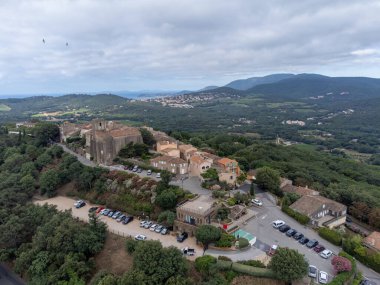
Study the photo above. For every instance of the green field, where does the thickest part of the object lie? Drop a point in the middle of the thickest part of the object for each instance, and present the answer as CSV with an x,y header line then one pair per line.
x,y
4,108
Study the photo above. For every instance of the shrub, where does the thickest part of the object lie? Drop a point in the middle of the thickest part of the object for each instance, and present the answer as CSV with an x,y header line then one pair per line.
x,y
218,193
302,219
225,240
203,263
331,235
254,263
341,264
225,258
243,243
130,245
231,201
343,277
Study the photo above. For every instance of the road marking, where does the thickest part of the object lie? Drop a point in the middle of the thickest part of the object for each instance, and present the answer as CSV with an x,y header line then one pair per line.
x,y
263,217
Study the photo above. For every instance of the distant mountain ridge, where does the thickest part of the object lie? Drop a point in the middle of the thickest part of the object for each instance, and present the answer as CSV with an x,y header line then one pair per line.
x,y
245,84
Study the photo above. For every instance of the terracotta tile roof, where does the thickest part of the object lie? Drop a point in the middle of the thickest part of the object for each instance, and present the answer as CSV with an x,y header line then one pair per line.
x,y
226,160
169,149
165,142
309,204
168,159
185,147
214,157
197,159
124,132
373,240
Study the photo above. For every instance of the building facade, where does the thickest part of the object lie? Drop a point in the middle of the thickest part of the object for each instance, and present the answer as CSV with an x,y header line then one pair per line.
x,y
174,165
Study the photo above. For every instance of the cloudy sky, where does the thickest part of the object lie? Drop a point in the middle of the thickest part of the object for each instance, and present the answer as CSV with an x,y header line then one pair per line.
x,y
162,44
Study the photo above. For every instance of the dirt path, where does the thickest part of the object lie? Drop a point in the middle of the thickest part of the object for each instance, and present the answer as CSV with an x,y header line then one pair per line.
x,y
129,230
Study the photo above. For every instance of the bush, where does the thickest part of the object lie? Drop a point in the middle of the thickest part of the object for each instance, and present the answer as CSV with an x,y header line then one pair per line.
x,y
203,263
243,243
225,258
225,240
254,263
231,201
341,264
130,245
330,235
343,277
302,219
218,193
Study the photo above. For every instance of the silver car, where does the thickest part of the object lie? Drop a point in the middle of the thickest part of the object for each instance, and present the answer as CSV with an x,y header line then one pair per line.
x,y
323,277
313,271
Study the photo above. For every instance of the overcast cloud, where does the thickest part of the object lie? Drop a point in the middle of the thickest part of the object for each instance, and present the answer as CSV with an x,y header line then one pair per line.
x,y
161,44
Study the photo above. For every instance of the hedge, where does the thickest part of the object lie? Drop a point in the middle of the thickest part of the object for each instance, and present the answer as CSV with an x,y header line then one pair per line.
x,y
252,262
243,243
246,269
226,240
302,219
330,235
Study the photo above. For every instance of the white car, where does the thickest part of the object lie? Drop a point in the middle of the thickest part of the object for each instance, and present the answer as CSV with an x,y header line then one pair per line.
x,y
140,237
278,223
153,227
326,254
323,277
257,202
158,175
78,202
313,271
149,172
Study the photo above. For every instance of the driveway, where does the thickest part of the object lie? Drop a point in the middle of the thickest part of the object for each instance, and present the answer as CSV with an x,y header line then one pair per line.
x,y
261,227
129,230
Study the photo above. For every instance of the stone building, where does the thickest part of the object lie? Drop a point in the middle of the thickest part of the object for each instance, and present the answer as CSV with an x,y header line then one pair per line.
x,y
174,165
107,138
199,164
194,213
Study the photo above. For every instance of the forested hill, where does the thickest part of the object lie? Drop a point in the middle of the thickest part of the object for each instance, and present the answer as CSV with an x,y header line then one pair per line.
x,y
304,86
244,84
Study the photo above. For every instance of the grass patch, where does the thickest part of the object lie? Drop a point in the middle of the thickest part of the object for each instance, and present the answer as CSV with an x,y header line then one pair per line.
x,y
245,269
4,108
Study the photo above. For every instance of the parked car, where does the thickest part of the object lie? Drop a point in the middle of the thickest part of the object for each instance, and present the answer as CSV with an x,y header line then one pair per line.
x,y
92,209
127,220
139,170
121,218
99,210
153,227
158,229
278,223
188,251
79,204
105,212
130,168
148,224
326,254
257,202
149,172
323,277
367,282
140,237
164,231
158,175
298,236
135,168
182,237
110,214
313,271
284,228
272,250
142,223
291,232
312,243
318,248
303,240
116,215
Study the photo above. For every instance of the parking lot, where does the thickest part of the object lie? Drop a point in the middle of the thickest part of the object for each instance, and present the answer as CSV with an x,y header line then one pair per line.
x,y
131,229
262,228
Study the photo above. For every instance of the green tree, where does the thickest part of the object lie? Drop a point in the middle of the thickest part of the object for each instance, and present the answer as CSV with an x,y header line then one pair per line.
x,y
207,234
167,199
288,264
268,179
158,263
46,133
43,160
211,174
147,137
167,218
252,190
49,182
28,184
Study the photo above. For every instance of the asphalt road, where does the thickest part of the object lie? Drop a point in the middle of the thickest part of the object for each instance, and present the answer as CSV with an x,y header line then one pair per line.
x,y
7,277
